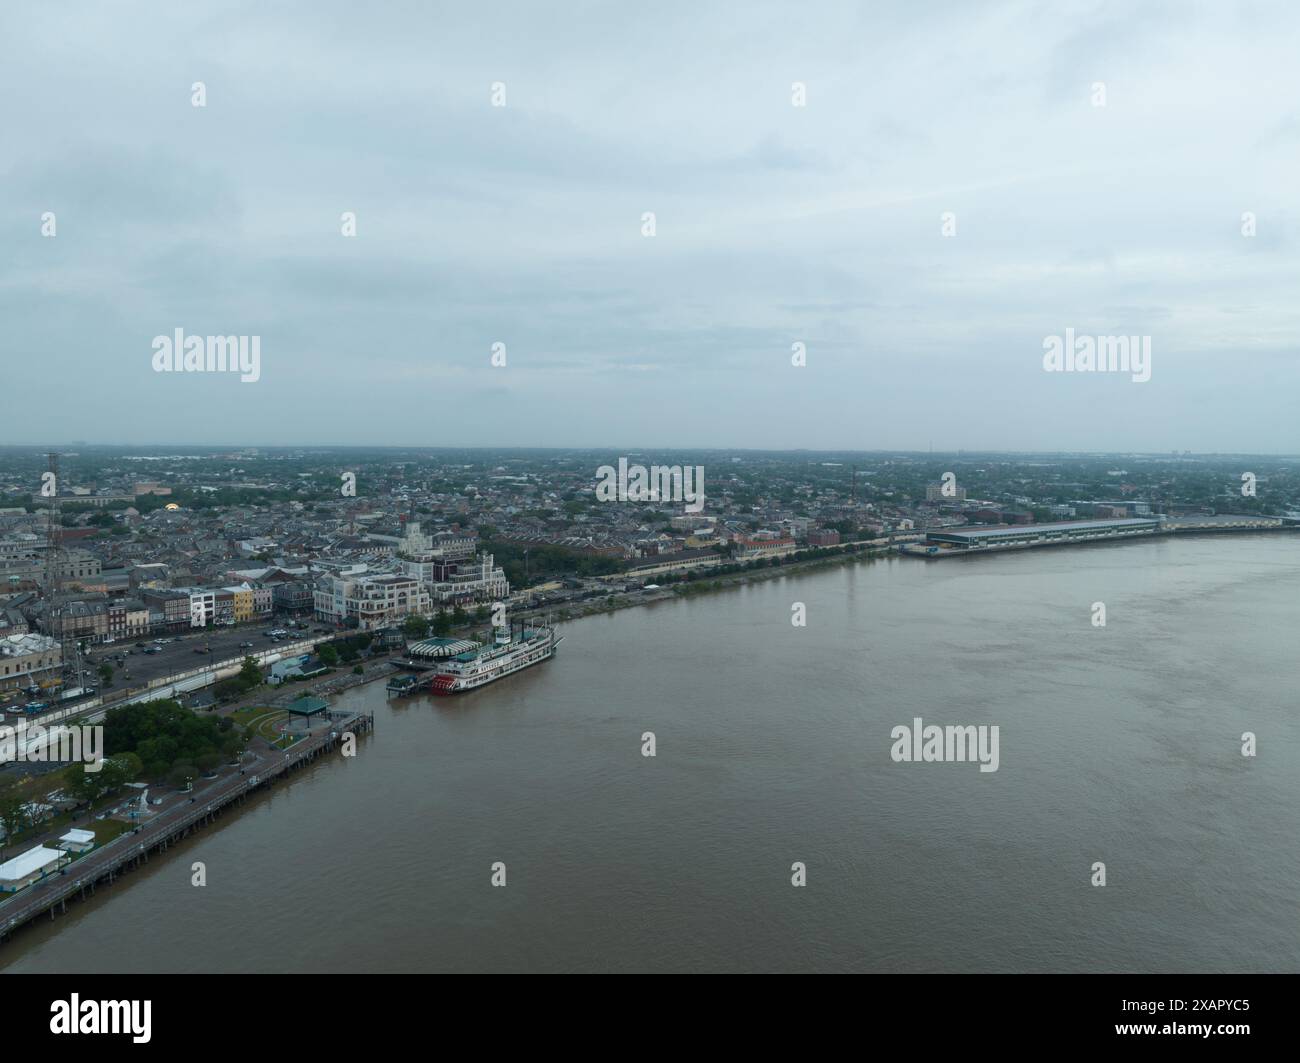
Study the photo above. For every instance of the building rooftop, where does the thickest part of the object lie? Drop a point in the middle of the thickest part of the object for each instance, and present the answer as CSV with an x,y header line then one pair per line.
x,y
20,645
1055,526
307,705
29,863
442,647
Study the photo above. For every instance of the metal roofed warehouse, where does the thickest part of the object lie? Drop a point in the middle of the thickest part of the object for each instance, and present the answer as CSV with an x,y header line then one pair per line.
x,y
1043,534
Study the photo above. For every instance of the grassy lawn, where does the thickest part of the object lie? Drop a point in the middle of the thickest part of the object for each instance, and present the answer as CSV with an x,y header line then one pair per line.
x,y
108,829
263,720
245,717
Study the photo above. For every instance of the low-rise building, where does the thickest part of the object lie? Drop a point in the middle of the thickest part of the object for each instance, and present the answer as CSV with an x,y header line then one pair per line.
x,y
369,601
169,609
77,841
301,666
29,867
463,583
241,603
128,618
292,597
755,549
28,659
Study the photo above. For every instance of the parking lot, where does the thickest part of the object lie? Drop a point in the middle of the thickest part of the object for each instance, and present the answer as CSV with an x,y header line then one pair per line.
x,y
185,651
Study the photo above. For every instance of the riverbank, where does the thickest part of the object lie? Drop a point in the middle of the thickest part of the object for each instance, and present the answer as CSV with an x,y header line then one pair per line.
x,y
704,584
148,828
267,704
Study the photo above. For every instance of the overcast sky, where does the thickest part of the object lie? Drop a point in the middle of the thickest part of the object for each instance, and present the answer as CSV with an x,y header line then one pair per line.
x,y
774,224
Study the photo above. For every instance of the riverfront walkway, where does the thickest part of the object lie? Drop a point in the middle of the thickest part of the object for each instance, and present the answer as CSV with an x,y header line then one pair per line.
x,y
155,834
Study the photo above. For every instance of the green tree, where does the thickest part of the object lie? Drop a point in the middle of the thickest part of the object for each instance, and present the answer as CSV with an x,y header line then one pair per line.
x,y
182,774
112,775
328,654
124,768
12,817
442,624
249,674
234,742
415,627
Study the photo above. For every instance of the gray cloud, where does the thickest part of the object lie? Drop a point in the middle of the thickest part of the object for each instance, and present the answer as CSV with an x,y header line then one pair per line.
x,y
775,224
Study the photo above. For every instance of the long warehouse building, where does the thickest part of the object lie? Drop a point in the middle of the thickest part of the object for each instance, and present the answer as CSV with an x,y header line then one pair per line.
x,y
960,540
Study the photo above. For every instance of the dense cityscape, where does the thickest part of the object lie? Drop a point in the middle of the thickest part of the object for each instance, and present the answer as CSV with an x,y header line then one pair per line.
x,y
137,544
132,561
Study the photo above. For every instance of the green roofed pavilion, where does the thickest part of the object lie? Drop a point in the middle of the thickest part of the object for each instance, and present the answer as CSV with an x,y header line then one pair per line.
x,y
308,706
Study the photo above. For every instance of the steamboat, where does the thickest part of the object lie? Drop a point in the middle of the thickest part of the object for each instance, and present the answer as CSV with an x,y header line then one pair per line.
x,y
508,653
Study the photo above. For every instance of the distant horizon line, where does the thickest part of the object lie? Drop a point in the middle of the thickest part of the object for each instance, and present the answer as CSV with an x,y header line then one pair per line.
x,y
643,449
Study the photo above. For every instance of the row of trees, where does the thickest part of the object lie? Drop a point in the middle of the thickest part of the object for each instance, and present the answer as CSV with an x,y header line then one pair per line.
x,y
419,627
546,562
347,650
237,686
701,580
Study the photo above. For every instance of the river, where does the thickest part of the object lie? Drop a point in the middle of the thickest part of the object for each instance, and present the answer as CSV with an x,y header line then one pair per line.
x,y
1119,744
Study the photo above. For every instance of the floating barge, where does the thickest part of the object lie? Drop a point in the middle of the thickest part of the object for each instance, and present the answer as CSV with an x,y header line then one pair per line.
x,y
401,685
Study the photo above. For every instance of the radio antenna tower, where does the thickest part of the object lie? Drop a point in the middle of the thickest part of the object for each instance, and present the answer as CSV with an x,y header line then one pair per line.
x,y
50,489
68,648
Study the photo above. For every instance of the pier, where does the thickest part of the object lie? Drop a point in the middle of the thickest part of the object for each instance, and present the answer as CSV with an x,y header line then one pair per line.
x,y
102,866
